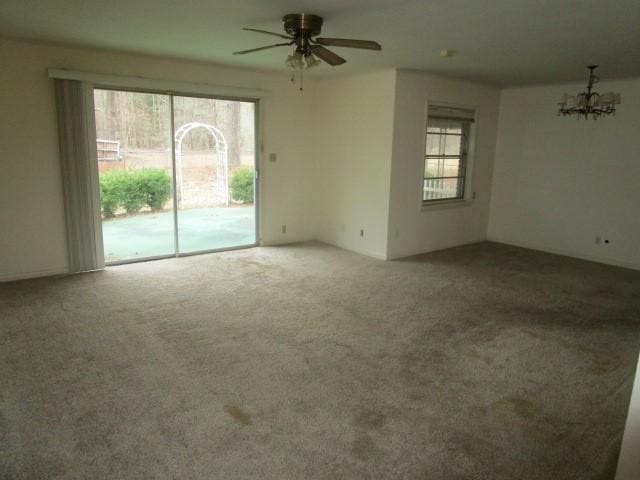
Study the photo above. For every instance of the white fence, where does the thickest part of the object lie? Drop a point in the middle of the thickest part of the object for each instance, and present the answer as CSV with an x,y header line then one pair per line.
x,y
437,188
108,150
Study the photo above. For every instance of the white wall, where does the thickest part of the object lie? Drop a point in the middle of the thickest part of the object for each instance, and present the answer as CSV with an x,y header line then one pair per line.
x,y
350,153
560,182
413,228
32,237
354,128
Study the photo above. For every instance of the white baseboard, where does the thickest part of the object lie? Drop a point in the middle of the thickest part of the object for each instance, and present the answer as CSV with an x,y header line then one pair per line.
x,y
368,253
566,253
376,255
411,253
284,241
11,277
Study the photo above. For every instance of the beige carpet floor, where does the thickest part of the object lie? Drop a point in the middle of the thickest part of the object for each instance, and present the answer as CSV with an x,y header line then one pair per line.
x,y
310,362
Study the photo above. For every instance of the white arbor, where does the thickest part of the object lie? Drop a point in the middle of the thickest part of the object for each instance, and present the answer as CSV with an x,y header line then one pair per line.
x,y
222,164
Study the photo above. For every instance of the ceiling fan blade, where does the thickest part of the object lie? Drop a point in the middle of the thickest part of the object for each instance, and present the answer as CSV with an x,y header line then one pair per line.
x,y
286,37
347,42
242,52
326,55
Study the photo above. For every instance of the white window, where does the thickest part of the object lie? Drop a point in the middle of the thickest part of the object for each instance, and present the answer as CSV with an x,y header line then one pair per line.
x,y
446,152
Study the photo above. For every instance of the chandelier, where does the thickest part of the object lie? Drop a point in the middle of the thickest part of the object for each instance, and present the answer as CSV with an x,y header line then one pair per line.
x,y
589,102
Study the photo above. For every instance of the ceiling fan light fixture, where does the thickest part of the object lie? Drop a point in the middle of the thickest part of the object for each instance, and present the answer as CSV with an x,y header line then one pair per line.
x,y
311,61
299,61
295,61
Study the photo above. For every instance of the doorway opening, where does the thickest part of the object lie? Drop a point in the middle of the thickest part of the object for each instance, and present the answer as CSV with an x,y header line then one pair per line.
x,y
177,174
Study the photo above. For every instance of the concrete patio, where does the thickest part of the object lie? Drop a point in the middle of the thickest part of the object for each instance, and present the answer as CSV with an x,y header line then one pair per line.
x,y
151,234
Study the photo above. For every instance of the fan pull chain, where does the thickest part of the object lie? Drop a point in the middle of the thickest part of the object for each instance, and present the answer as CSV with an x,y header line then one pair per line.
x,y
292,79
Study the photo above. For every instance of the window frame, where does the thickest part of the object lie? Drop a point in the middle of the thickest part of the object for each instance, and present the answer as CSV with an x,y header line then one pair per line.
x,y
466,119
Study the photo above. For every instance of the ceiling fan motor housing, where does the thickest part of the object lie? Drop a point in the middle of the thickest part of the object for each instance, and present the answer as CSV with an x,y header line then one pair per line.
x,y
302,24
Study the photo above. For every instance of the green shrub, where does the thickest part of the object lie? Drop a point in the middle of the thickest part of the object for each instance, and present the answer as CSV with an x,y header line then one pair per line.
x,y
133,195
133,189
155,185
242,185
111,191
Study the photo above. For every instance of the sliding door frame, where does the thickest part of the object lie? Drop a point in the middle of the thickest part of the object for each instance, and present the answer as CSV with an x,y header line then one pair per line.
x,y
256,177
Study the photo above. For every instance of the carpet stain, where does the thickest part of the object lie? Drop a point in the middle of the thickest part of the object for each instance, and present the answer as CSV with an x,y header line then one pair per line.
x,y
369,419
4,429
603,366
363,447
41,465
255,264
238,414
478,410
515,405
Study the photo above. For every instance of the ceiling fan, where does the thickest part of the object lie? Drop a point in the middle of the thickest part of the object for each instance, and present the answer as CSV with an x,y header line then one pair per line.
x,y
301,29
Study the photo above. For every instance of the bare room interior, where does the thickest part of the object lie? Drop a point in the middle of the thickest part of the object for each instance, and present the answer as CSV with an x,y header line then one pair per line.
x,y
354,239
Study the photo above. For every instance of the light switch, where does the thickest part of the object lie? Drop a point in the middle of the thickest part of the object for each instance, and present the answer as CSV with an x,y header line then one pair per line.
x,y
272,157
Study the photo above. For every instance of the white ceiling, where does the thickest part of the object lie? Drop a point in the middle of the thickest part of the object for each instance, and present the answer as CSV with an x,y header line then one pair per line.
x,y
504,42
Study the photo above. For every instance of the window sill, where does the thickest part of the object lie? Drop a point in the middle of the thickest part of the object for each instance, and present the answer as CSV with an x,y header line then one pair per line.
x,y
443,204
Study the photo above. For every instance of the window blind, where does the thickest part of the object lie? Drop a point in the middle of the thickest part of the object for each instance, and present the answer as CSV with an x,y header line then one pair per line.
x,y
451,113
78,165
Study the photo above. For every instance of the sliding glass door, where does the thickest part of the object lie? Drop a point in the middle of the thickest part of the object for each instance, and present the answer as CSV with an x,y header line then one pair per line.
x,y
133,133
215,160
177,174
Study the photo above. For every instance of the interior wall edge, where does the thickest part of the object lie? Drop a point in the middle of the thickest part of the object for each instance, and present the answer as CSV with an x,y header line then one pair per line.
x,y
287,241
421,251
359,251
565,253
14,276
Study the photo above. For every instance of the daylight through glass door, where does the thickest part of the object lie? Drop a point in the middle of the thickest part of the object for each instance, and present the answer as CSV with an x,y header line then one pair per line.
x,y
215,156
166,192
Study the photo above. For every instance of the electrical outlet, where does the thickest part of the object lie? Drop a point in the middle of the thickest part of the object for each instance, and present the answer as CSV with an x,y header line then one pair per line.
x,y
284,229
273,157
